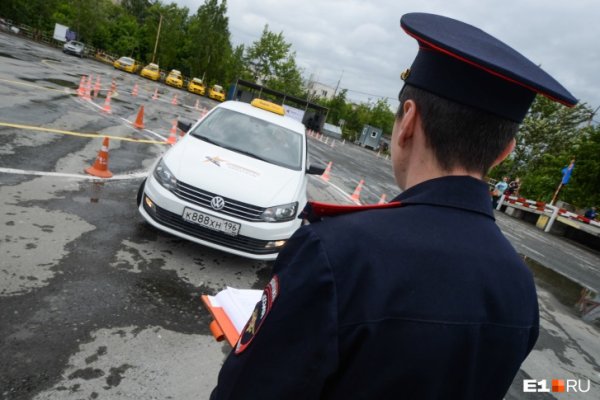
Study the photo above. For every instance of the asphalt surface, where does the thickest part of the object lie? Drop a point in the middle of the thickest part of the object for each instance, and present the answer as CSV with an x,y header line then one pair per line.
x,y
95,304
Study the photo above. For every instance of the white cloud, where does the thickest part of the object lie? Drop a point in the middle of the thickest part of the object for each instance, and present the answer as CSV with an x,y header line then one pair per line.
x,y
362,40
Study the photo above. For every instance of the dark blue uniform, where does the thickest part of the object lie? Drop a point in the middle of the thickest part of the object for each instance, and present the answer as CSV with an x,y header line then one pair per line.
x,y
424,301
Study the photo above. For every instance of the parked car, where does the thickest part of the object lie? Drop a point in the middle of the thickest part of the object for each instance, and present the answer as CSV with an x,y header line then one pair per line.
x,y
151,71
197,86
174,79
127,64
74,47
216,92
236,182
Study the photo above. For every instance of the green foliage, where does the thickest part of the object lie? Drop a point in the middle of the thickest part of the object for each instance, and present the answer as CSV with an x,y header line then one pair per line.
x,y
207,42
550,136
270,62
356,116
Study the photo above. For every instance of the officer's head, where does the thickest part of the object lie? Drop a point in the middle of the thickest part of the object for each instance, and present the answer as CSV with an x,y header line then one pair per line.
x,y
466,93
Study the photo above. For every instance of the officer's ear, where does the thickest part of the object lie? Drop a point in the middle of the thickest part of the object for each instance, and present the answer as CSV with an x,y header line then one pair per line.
x,y
507,150
407,123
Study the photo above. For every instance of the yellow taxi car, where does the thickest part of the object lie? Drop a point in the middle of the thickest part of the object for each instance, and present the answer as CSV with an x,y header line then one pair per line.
x,y
196,86
216,92
151,71
126,64
174,79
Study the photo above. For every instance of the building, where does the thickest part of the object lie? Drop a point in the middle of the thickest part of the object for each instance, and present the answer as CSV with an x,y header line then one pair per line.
x,y
332,131
318,89
370,137
312,115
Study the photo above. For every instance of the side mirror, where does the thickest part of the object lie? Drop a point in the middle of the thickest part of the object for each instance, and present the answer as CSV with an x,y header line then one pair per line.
x,y
184,126
315,170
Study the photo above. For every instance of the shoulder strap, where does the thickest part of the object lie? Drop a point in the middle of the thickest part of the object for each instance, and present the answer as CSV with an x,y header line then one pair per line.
x,y
315,211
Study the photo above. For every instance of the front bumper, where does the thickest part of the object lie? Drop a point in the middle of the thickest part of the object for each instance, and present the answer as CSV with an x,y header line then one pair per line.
x,y
252,241
73,52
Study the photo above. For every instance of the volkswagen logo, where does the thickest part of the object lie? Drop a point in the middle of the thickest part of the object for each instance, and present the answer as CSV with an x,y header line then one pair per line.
x,y
217,203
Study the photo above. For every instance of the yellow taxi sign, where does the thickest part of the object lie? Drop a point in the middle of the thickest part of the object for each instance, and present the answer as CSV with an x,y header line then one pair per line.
x,y
268,106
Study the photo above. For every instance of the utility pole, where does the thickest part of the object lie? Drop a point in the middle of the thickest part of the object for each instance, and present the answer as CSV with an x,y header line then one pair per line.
x,y
338,84
157,36
593,113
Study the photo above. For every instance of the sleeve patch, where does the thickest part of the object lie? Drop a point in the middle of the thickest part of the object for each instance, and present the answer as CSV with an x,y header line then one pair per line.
x,y
258,315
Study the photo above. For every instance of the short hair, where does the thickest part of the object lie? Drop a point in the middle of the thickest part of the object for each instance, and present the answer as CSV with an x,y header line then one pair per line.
x,y
459,135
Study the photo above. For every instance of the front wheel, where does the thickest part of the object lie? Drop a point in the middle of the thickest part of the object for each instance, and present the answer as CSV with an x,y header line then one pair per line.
x,y
140,193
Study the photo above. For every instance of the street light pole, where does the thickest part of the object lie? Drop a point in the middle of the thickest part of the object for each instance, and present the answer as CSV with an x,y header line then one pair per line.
x,y
157,36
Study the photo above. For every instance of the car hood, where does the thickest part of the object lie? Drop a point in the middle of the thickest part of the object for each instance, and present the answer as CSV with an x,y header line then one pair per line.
x,y
233,175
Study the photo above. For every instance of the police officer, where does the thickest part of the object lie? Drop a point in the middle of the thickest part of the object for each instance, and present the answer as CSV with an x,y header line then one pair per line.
x,y
422,298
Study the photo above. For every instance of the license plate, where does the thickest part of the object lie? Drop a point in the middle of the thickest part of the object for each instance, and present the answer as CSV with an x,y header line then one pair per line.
x,y
210,222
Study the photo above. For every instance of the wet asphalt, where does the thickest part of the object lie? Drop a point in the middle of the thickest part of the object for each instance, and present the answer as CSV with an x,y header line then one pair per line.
x,y
96,304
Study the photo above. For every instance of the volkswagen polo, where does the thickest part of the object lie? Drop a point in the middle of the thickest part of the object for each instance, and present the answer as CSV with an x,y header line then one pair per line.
x,y
235,182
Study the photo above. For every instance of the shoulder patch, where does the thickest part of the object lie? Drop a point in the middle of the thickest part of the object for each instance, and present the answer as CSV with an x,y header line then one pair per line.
x,y
262,309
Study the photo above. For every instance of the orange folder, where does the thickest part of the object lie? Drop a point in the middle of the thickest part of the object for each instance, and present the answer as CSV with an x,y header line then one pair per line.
x,y
221,327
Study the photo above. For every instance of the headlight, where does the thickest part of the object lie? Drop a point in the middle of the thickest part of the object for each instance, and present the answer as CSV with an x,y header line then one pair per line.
x,y
286,212
164,176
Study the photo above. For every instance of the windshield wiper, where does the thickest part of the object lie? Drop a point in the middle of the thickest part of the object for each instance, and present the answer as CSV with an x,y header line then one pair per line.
x,y
247,153
237,150
206,139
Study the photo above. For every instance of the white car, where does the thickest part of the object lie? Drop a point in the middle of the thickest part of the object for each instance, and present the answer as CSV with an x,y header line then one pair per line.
x,y
236,182
74,47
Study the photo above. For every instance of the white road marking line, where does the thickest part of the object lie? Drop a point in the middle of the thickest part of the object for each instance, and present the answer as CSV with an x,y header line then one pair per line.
x,y
131,175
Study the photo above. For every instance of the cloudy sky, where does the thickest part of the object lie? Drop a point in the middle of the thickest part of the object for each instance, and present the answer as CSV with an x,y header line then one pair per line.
x,y
361,43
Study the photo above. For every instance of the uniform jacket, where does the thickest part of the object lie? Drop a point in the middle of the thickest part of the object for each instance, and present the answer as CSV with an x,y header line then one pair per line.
x,y
423,301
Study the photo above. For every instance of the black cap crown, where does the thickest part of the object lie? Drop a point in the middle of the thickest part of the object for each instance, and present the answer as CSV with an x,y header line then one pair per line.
x,y
462,63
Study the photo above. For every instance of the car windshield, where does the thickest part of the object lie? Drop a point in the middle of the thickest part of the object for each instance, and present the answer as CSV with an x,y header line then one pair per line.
x,y
253,137
126,60
175,74
152,67
218,89
76,44
197,81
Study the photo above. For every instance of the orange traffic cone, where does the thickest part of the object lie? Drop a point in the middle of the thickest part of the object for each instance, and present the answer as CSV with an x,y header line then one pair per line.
x,y
139,121
134,92
325,175
173,134
106,107
356,195
97,86
174,101
382,199
87,94
81,88
100,167
155,95
113,86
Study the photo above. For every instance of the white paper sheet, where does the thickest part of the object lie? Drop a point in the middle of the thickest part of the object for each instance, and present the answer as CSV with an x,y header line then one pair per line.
x,y
238,304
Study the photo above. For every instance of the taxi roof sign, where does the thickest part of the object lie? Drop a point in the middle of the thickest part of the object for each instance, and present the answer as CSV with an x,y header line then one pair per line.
x,y
268,106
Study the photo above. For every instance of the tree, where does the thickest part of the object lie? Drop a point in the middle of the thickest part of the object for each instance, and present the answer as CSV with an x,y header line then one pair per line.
x,y
208,41
272,64
381,116
288,78
550,136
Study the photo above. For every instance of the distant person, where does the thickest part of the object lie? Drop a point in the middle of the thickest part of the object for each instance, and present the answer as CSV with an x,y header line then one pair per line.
x,y
421,298
591,213
513,187
499,190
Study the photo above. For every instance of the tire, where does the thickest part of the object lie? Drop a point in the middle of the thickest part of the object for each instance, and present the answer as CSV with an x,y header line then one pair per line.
x,y
140,193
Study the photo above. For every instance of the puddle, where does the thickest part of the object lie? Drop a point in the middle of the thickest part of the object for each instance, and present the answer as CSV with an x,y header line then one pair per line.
x,y
8,56
96,191
61,82
582,301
